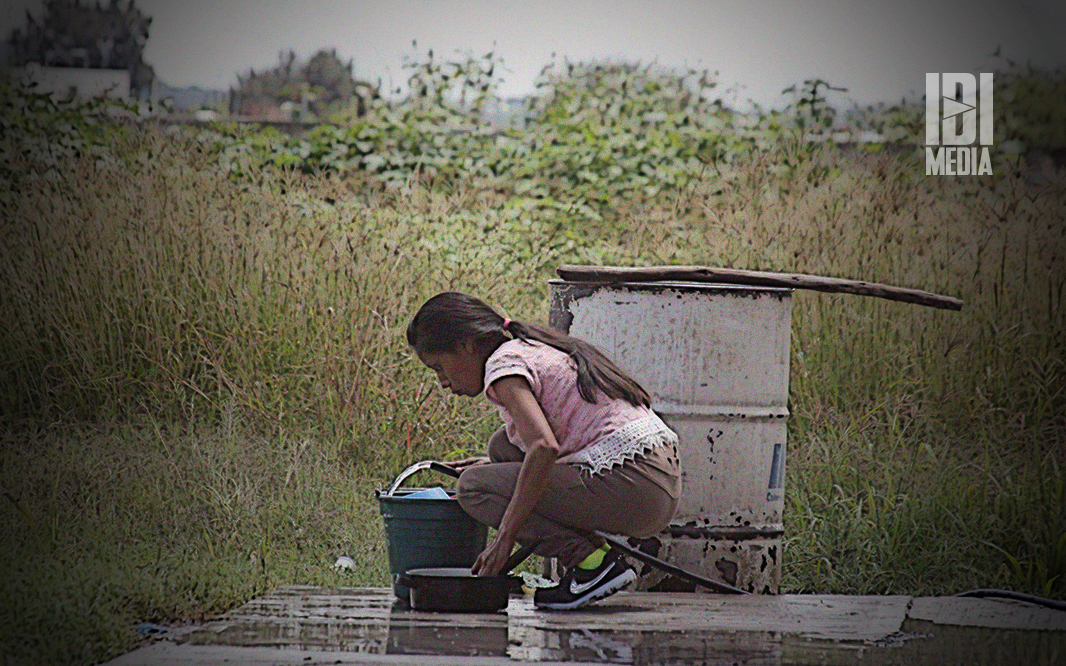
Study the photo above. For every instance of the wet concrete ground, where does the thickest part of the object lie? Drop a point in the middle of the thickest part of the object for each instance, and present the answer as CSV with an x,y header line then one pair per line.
x,y
308,625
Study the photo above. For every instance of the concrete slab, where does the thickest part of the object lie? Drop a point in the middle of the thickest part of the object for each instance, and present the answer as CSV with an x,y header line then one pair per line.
x,y
309,625
989,613
814,617
165,653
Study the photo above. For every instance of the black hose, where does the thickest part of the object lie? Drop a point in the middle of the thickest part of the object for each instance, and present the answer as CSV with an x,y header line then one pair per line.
x,y
715,585
1016,596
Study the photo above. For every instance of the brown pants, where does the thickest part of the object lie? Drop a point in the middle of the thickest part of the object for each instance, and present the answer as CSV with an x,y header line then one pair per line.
x,y
636,499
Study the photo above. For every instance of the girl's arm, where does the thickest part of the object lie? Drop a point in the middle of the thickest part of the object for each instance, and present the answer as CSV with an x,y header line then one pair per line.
x,y
516,396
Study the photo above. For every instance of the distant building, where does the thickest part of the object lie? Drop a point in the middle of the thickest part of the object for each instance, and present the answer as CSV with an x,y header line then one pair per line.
x,y
261,110
79,82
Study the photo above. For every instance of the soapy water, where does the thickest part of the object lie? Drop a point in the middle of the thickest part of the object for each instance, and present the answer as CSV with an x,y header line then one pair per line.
x,y
429,493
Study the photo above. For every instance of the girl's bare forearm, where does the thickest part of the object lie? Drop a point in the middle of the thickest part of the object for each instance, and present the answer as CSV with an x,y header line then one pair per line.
x,y
532,480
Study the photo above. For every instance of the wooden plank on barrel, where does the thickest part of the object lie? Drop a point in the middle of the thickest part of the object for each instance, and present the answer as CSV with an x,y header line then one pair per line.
x,y
755,278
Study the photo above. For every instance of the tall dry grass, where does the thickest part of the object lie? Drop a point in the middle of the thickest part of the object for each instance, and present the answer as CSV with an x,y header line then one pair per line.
x,y
155,285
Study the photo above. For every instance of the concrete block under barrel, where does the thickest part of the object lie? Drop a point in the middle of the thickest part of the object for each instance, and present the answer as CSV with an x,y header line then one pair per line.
x,y
715,359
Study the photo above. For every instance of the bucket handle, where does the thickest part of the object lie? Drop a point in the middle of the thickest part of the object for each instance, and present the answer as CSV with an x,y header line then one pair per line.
x,y
418,467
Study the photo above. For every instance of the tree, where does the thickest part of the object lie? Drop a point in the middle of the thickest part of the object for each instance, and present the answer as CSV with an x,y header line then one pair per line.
x,y
321,82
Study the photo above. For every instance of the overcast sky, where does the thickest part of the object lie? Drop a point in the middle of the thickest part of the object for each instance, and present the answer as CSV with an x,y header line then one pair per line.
x,y
878,49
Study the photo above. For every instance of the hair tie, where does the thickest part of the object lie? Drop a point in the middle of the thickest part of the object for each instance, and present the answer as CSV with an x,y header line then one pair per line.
x,y
506,322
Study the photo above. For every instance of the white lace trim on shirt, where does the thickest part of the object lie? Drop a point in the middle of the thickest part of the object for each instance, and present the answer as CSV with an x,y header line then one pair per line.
x,y
635,438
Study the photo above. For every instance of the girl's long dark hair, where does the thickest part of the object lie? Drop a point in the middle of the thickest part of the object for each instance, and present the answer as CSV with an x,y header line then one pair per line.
x,y
449,318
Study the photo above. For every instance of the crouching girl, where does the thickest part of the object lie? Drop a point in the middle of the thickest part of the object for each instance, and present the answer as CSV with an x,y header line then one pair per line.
x,y
580,450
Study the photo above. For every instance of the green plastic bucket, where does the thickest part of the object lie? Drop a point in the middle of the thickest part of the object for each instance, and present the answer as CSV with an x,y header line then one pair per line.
x,y
424,533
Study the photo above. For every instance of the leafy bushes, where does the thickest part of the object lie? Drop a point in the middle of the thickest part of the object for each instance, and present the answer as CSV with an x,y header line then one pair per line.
x,y
593,132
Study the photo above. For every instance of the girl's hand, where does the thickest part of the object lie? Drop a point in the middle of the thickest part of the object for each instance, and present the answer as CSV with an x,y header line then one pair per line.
x,y
491,560
460,465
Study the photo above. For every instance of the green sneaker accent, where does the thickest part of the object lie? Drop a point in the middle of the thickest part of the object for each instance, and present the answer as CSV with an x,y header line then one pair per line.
x,y
594,559
580,587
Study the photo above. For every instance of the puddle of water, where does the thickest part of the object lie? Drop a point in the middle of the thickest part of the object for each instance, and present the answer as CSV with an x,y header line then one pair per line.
x,y
373,623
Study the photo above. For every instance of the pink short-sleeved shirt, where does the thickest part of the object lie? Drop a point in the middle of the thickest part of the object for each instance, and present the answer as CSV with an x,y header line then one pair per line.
x,y
553,376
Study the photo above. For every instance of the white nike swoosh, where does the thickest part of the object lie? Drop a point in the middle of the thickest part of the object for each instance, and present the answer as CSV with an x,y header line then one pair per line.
x,y
580,588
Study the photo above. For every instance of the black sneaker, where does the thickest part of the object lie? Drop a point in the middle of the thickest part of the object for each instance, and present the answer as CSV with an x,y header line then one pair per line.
x,y
580,587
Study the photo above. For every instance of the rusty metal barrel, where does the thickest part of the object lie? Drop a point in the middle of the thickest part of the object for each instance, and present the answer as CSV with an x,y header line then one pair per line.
x,y
715,359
